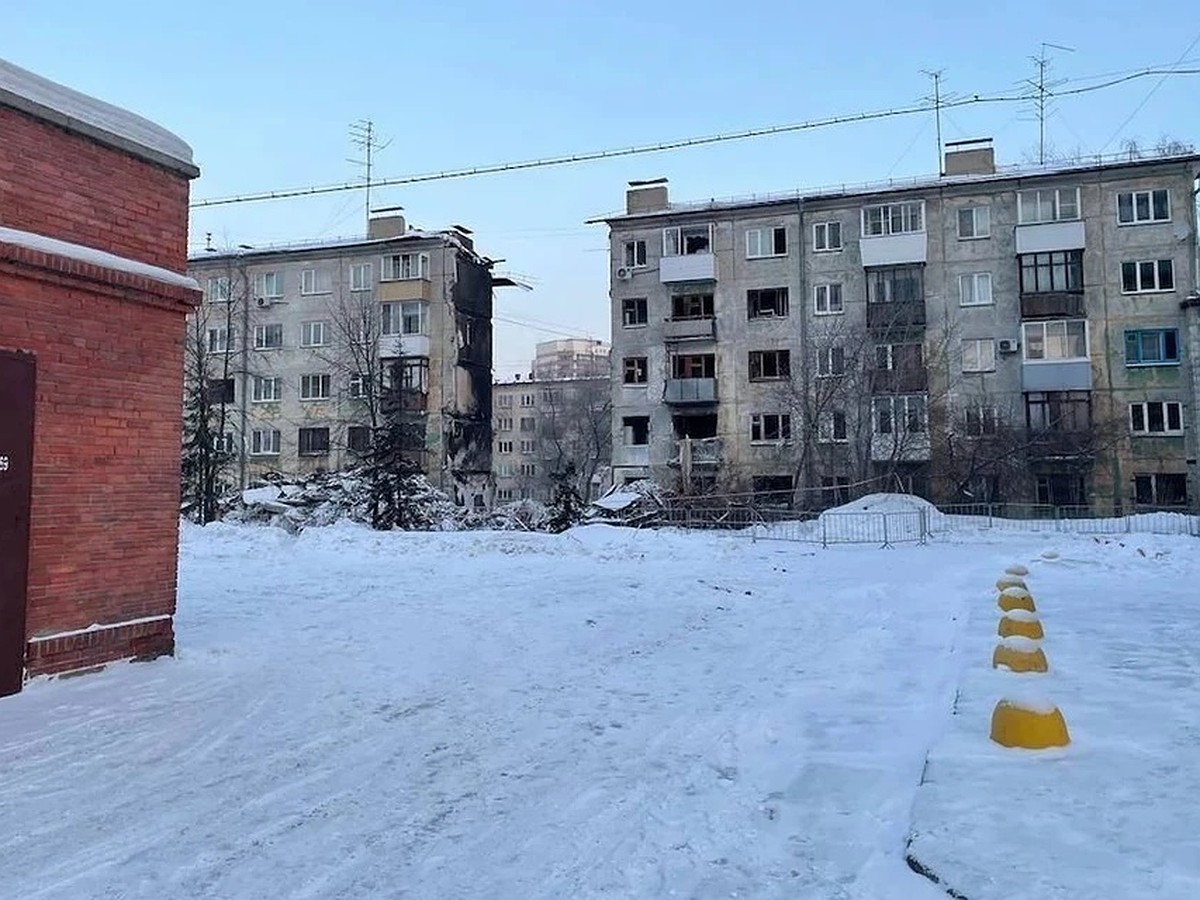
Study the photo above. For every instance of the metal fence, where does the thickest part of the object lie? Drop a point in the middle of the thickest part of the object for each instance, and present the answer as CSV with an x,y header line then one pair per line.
x,y
760,519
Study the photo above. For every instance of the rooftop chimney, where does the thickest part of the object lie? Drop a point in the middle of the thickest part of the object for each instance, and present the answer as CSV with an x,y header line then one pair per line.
x,y
646,196
973,157
386,226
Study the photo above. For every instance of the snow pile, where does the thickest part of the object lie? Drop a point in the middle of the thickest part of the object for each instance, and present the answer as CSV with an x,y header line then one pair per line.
x,y
637,503
879,518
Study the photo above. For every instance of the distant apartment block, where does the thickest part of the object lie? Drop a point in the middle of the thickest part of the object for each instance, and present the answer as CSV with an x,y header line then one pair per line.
x,y
986,336
560,417
299,337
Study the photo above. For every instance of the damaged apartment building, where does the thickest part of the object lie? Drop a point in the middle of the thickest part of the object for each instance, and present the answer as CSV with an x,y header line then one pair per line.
x,y
985,336
305,345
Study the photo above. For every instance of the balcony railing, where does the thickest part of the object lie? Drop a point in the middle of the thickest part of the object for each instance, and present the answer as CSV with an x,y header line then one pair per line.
x,y
1057,305
1054,444
899,381
692,267
699,451
690,390
690,329
899,315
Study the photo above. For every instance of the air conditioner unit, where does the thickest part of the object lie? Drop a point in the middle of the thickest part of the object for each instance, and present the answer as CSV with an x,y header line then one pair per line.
x,y
1008,346
262,302
624,273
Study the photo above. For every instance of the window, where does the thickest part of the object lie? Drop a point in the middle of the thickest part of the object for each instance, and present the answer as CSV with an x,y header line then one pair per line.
x,y
893,218
979,355
694,365
313,441
974,222
831,362
528,424
224,443
1056,340
1147,275
1156,417
268,337
218,390
692,306
831,427
358,438
835,489
315,281
899,284
635,254
268,284
409,317
314,387
827,237
1044,273
1061,411
504,446
770,365
975,289
360,276
1047,205
414,374
900,414
687,240
356,387
504,424
633,312
1162,489
266,390
314,334
218,289
762,242
1141,207
766,303
981,420
527,399
504,494
264,442
635,370
405,266
528,470
1061,489
504,400
1152,347
528,447
549,395
899,357
770,427
218,340
827,299
636,430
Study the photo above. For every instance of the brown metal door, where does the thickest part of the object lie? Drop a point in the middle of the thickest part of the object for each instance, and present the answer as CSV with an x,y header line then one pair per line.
x,y
16,484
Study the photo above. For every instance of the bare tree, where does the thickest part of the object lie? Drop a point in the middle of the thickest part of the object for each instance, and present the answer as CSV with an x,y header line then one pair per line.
x,y
577,430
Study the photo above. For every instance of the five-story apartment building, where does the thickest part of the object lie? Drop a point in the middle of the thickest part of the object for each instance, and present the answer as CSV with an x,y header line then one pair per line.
x,y
985,336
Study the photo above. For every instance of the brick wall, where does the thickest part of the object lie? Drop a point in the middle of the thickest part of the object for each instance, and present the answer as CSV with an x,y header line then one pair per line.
x,y
109,348
67,186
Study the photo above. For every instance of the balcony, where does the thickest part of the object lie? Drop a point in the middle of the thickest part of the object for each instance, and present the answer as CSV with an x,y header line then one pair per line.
x,y
697,452
1055,305
899,381
1050,236
410,289
893,249
1066,375
1050,444
693,267
392,346
901,315
684,391
690,329
631,455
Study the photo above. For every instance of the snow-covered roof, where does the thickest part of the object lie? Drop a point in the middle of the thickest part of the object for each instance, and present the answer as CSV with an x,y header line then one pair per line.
x,y
94,257
53,102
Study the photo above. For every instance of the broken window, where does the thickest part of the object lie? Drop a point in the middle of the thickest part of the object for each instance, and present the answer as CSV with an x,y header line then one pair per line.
x,y
687,240
633,312
313,441
635,370
636,430
698,365
768,365
770,427
692,306
765,303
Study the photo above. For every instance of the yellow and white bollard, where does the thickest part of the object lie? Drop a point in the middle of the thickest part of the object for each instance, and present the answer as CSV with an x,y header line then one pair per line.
x,y
1029,725
1020,623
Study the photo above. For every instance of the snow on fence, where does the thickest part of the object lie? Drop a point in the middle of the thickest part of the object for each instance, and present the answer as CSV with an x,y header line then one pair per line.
x,y
1068,519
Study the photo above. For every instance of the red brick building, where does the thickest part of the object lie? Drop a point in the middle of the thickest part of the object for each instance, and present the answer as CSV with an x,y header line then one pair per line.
x,y
93,244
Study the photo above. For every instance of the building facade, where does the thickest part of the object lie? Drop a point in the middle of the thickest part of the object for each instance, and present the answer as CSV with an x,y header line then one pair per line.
x,y
986,336
545,425
302,345
93,246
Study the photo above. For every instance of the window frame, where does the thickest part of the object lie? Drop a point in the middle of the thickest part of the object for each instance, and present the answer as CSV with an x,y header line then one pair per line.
x,y
822,244
214,296
261,281
638,367
1164,411
311,432
262,330
1156,267
1057,215
755,308
974,279
315,288
357,270
1044,325
782,428
825,362
274,445
1149,194
900,409
1071,263
976,234
977,344
631,307
678,231
829,292
634,245
1161,335
984,414
388,267
756,364
828,430
221,345
770,235
324,384
308,329
887,219
258,392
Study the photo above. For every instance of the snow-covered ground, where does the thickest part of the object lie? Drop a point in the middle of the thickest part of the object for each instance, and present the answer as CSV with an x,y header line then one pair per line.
x,y
606,713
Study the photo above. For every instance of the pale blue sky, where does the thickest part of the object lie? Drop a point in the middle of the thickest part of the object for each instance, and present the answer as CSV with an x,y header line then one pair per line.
x,y
264,92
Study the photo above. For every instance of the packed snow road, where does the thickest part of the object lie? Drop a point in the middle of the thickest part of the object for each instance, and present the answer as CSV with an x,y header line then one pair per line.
x,y
601,714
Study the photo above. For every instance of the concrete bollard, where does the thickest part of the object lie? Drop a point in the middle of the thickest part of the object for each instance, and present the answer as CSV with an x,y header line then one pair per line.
x,y
1020,623
1019,654
1018,570
1015,598
1007,581
1029,725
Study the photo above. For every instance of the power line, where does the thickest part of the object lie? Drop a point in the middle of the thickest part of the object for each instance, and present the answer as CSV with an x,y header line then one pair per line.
x,y
1137,109
664,146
